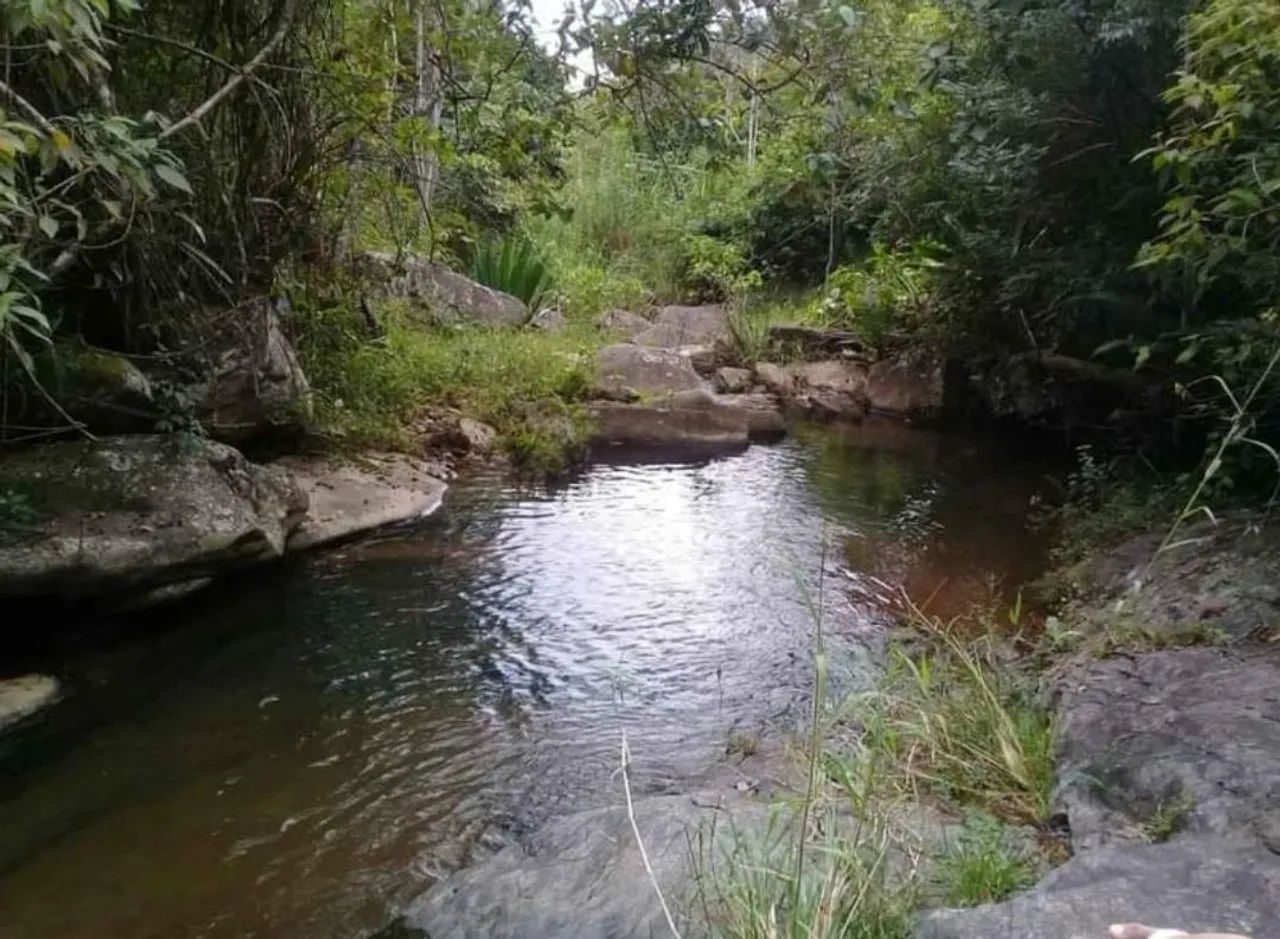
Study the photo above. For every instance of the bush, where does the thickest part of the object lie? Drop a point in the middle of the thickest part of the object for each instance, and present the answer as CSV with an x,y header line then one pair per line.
x,y
512,265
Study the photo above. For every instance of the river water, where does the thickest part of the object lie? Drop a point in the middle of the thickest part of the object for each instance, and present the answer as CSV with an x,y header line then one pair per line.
x,y
297,753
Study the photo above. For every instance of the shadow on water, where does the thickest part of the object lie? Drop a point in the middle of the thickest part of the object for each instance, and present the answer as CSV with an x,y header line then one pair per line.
x,y
299,752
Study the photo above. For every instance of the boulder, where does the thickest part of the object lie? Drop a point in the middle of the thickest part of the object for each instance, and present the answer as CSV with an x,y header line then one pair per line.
x,y
1196,885
689,417
349,498
104,390
624,323
549,319
444,296
252,383
583,875
676,327
734,380
25,695
1190,735
777,378
133,513
906,388
476,436
628,371
831,389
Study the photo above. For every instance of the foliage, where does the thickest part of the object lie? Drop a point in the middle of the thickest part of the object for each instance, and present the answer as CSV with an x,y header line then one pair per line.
x,y
982,866
513,266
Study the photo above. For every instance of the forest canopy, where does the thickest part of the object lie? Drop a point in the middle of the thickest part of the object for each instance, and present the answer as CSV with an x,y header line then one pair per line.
x,y
1096,181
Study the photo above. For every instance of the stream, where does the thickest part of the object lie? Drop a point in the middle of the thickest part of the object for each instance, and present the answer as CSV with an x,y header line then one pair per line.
x,y
297,753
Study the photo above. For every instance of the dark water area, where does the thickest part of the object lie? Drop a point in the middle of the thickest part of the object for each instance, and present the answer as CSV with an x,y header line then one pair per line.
x,y
298,753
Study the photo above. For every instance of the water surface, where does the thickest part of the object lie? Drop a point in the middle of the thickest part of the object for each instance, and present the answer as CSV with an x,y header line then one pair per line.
x,y
299,752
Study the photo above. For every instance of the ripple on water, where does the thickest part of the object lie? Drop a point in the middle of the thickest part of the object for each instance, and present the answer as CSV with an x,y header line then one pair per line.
x,y
309,746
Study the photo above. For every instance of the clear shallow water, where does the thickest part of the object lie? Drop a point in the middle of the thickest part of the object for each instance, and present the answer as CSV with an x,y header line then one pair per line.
x,y
300,752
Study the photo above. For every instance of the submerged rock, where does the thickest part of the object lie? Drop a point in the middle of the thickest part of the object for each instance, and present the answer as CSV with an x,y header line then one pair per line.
x,y
1214,884
583,875
25,695
134,513
348,498
444,296
689,417
628,371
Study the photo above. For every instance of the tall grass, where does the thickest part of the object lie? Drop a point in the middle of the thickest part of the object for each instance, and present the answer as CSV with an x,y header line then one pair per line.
x,y
512,265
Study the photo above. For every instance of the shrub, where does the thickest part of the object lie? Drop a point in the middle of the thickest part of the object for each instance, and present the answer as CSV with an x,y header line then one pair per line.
x,y
512,265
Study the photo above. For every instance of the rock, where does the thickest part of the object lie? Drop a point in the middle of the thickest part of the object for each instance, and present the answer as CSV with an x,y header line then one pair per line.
x,y
907,388
104,390
734,380
1194,732
25,695
480,438
812,342
583,876
1194,884
549,320
832,389
253,383
667,424
1225,576
628,371
776,378
447,297
689,417
134,513
679,326
624,323
350,498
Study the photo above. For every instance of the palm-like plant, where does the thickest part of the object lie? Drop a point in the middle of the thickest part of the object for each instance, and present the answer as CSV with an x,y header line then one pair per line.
x,y
512,265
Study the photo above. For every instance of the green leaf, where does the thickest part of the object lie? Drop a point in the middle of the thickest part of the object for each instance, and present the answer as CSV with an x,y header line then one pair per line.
x,y
49,225
173,177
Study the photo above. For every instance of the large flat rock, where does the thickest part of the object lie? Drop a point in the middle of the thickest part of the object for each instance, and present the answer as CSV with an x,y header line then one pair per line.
x,y
677,327
628,371
1197,885
126,513
583,876
689,417
348,498
25,695
1196,731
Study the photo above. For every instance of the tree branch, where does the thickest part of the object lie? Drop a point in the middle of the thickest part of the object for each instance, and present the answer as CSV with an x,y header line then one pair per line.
x,y
27,108
245,71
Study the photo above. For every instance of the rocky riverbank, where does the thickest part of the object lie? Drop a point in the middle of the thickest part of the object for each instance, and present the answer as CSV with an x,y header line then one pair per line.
x,y
1166,783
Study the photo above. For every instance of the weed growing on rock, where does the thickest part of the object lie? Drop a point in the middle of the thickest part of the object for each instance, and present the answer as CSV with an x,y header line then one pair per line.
x,y
1167,818
982,866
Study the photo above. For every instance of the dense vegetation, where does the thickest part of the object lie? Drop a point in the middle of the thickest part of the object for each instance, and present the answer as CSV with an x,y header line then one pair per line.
x,y
1078,189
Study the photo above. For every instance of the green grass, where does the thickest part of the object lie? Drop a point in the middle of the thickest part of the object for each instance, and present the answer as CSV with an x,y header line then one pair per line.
x,y
982,866
956,720
527,383
1167,818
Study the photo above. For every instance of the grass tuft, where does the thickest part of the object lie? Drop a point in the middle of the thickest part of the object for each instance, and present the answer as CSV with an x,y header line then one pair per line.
x,y
981,866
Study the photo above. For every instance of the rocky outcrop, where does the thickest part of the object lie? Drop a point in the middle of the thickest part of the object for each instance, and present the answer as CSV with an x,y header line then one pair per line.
x,y
911,388
678,327
25,695
126,514
349,498
583,875
443,296
1211,885
626,372
252,383
623,323
830,389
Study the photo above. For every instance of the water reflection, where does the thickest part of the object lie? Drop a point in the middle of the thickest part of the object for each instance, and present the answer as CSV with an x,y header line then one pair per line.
x,y
305,749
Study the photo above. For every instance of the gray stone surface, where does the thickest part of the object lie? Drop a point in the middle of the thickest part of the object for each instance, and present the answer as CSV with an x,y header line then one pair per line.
x,y
582,876
676,327
254,384
127,513
623,323
1194,884
549,319
734,380
626,371
1226,576
694,416
348,498
906,388
1197,730
445,296
103,389
25,695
